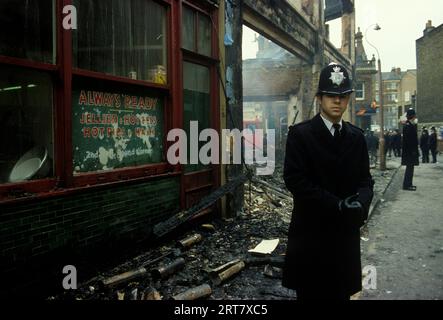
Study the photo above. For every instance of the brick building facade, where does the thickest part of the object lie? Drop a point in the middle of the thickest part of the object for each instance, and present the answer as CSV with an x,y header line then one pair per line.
x,y
430,75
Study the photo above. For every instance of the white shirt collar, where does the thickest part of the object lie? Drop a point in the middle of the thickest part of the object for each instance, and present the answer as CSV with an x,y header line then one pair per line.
x,y
329,124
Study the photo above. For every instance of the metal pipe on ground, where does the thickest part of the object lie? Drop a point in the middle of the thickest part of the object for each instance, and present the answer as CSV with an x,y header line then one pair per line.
x,y
124,277
194,293
218,278
189,241
166,271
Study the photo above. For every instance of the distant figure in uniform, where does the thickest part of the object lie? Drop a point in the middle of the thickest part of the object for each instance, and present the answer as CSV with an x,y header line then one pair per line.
x,y
327,171
424,145
388,143
397,143
433,144
410,149
372,144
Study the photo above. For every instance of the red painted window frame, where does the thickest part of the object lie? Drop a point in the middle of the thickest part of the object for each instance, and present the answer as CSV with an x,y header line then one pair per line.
x,y
13,191
208,61
62,74
128,173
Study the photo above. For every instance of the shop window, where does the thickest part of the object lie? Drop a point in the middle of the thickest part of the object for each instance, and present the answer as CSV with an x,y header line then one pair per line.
x,y
27,30
122,38
197,104
115,126
26,108
188,29
196,32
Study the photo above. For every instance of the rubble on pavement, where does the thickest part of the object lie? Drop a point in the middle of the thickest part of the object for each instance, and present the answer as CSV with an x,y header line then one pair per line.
x,y
212,261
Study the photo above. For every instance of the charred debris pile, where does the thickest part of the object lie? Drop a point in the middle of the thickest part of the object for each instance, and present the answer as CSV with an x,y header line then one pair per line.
x,y
237,258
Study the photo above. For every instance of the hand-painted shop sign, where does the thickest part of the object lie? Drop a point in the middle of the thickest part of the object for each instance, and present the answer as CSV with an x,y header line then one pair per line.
x,y
115,130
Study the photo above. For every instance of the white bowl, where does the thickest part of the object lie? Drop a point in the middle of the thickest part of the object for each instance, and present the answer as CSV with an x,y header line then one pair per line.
x,y
32,164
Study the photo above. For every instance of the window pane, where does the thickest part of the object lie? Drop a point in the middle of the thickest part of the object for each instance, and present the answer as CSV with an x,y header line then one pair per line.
x,y
115,127
188,29
204,35
197,104
26,29
359,90
26,125
122,38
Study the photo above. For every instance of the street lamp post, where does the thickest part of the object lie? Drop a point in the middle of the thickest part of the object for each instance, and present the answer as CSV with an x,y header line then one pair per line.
x,y
380,98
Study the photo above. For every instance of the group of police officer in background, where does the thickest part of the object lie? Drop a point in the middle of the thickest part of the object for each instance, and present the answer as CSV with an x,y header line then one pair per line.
x,y
428,143
393,144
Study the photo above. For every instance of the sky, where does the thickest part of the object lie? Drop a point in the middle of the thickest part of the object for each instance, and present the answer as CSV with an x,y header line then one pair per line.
x,y
402,22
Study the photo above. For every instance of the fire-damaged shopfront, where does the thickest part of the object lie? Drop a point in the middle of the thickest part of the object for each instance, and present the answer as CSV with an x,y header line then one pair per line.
x,y
85,113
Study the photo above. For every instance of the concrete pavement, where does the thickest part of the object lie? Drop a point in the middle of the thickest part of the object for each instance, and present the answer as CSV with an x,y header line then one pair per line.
x,y
405,236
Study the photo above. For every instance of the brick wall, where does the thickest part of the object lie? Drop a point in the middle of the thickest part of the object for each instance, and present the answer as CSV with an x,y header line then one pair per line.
x,y
83,221
430,76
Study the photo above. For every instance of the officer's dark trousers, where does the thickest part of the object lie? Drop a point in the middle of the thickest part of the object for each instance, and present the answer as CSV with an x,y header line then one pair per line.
x,y
434,156
425,155
409,173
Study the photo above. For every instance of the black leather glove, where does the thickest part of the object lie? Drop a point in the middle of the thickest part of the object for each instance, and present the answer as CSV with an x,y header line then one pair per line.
x,y
351,204
352,209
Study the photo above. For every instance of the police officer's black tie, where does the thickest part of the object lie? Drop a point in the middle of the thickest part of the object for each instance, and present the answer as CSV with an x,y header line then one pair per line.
x,y
336,132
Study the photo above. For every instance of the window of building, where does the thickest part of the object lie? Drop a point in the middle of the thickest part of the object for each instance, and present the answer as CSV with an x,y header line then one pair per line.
x,y
114,98
360,91
122,38
26,108
196,31
392,97
392,86
196,103
407,96
198,73
27,30
105,117
118,116
27,97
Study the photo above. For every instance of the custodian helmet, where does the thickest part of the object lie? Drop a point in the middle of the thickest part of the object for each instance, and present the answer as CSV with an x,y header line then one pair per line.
x,y
334,79
410,113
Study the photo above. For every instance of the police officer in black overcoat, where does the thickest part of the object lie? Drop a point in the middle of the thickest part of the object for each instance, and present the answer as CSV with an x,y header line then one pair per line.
x,y
409,156
433,144
424,145
327,172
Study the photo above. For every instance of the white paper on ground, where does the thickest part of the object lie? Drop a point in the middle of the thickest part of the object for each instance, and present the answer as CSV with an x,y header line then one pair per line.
x,y
265,247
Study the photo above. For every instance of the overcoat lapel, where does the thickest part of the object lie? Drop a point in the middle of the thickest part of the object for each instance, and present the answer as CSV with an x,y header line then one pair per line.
x,y
325,138
321,131
348,139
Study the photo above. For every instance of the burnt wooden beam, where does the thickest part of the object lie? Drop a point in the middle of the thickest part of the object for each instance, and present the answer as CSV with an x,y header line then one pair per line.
x,y
234,92
281,23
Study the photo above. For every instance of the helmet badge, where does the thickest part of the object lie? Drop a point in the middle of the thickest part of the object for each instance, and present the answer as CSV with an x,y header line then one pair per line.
x,y
337,77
